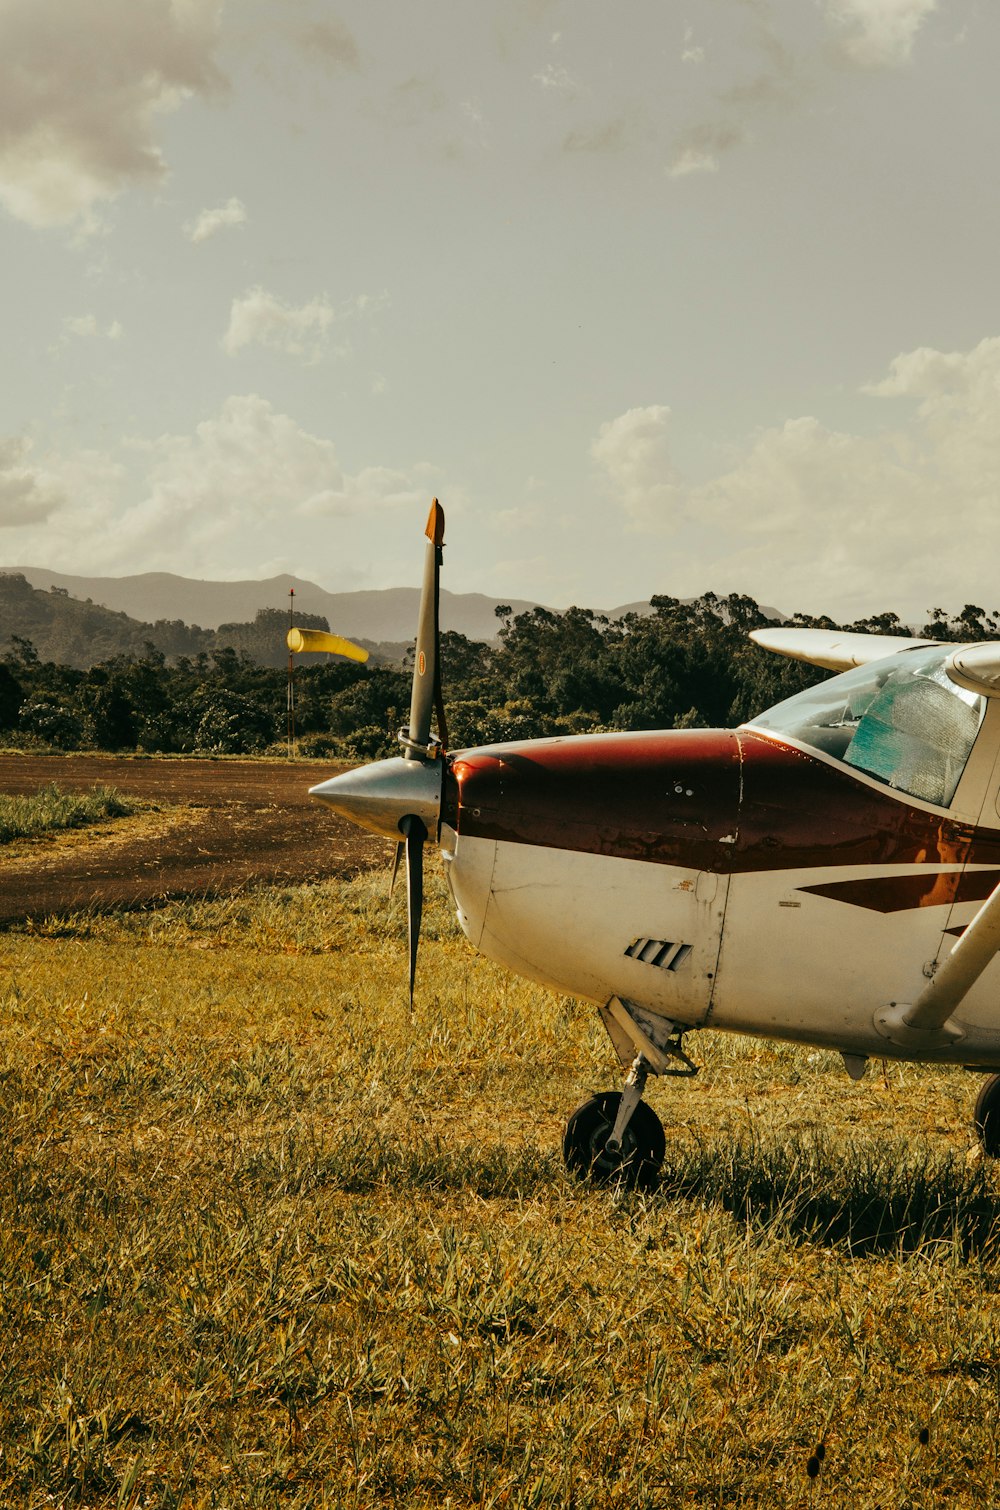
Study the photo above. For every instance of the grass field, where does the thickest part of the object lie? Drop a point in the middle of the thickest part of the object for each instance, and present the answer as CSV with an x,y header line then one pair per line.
x,y
266,1241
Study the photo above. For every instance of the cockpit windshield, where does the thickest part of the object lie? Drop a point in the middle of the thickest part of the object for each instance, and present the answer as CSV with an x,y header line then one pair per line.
x,y
901,720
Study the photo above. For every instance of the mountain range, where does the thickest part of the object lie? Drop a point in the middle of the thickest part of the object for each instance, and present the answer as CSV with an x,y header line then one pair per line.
x,y
377,615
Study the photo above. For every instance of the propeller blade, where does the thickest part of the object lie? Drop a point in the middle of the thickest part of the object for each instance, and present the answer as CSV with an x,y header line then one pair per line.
x,y
416,833
426,682
396,856
317,639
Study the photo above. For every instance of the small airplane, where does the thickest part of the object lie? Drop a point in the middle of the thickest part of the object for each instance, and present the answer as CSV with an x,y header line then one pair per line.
x,y
826,874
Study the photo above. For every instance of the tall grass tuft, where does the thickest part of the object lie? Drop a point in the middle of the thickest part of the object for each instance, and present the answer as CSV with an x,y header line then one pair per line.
x,y
51,809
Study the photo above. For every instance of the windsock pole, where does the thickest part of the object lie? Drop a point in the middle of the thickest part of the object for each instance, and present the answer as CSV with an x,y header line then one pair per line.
x,y
291,676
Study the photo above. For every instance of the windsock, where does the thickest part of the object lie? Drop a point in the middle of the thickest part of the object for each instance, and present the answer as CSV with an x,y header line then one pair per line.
x,y
318,639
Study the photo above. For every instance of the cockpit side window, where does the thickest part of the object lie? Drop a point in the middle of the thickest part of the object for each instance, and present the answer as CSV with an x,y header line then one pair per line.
x,y
901,720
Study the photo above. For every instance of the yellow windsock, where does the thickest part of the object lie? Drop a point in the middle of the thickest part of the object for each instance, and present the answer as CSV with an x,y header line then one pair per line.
x,y
318,639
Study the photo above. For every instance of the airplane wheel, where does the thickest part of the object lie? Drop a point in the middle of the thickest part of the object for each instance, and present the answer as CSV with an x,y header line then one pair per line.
x,y
643,1146
987,1117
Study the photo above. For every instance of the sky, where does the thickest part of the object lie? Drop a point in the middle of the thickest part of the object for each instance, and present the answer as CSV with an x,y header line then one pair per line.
x,y
656,297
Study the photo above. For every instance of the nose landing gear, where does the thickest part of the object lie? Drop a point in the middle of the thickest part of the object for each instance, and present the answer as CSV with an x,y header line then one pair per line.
x,y
592,1154
614,1138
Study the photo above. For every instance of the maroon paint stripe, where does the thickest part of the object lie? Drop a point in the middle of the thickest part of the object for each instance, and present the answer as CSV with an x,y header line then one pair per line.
x,y
666,798
903,893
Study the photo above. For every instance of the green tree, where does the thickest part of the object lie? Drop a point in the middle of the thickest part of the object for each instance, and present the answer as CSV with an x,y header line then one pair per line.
x,y
11,698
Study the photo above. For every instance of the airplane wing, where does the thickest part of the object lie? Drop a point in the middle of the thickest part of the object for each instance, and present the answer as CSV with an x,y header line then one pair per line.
x,y
835,650
974,667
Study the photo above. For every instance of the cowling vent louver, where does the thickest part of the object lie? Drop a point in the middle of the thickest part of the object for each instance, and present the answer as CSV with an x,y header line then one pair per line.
x,y
658,952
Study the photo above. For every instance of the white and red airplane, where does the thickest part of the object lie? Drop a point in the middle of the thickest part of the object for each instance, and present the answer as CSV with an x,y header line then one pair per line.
x,y
828,873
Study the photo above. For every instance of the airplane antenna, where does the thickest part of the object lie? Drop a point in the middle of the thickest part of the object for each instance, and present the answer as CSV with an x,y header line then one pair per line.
x,y
291,676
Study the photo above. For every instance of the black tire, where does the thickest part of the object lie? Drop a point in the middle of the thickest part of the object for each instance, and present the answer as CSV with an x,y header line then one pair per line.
x,y
637,1166
987,1117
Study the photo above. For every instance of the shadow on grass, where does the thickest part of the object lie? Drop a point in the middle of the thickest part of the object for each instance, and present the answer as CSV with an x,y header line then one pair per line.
x,y
866,1197
361,1163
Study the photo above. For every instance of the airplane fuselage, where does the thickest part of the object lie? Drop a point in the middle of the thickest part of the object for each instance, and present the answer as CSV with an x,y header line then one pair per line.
x,y
722,878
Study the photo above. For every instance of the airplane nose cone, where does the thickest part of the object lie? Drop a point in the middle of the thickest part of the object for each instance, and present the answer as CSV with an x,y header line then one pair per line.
x,y
378,796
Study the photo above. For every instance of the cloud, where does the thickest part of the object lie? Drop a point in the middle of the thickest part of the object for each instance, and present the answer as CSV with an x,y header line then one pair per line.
x,y
693,52
219,501
331,44
81,85
27,493
777,86
699,150
260,319
878,33
634,453
87,327
303,330
936,375
812,517
248,464
555,76
232,213
250,470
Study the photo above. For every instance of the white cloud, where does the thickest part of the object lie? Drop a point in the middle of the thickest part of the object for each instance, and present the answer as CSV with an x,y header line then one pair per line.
x,y
251,469
879,33
634,453
259,318
27,493
555,76
215,502
232,213
811,517
87,327
80,87
699,149
692,53
249,464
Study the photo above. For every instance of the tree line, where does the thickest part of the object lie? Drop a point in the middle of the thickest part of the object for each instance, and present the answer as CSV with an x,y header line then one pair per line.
x,y
682,665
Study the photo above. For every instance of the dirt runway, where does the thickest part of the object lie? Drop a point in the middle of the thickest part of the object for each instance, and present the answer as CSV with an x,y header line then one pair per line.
x,y
223,825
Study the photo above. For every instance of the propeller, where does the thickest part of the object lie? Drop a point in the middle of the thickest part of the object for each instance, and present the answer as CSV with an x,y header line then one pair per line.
x,y
402,796
425,696
425,699
416,832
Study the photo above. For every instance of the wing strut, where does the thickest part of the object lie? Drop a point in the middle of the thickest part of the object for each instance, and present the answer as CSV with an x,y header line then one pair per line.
x,y
928,1020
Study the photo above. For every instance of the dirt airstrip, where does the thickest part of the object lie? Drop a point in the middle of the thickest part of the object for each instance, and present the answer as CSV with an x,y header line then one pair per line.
x,y
211,827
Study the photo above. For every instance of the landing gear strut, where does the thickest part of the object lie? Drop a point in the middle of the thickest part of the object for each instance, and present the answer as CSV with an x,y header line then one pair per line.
x,y
615,1138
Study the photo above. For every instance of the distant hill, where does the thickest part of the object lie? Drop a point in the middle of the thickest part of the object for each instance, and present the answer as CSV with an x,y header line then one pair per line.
x,y
74,633
373,615
78,621
376,615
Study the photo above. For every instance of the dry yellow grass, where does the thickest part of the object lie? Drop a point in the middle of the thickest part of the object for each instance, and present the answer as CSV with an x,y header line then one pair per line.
x,y
267,1241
